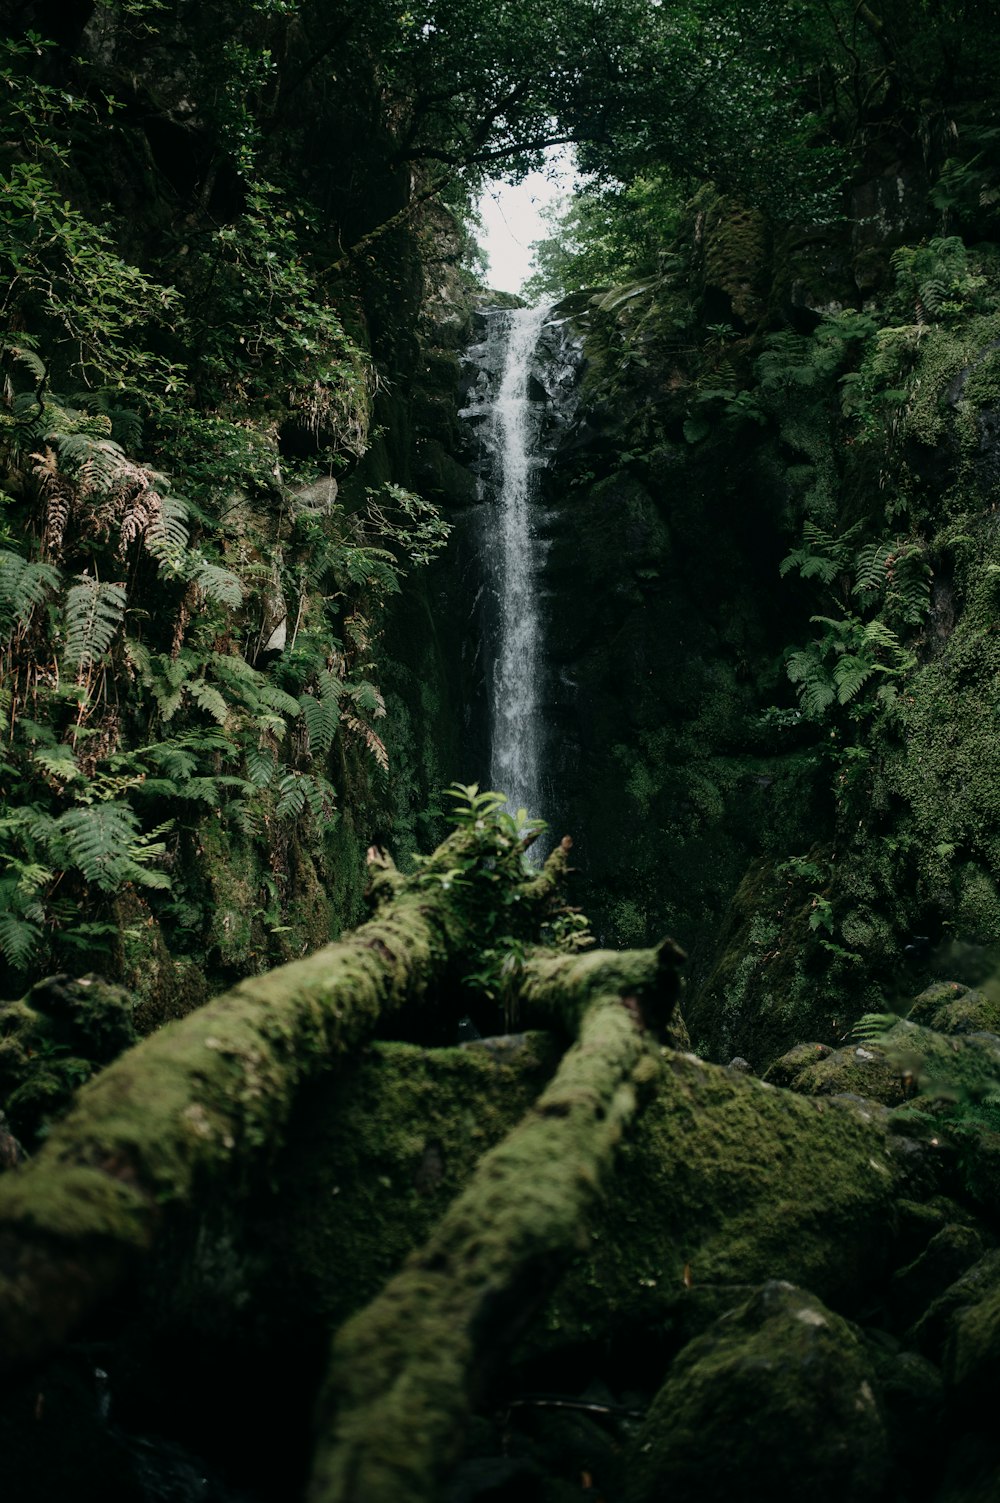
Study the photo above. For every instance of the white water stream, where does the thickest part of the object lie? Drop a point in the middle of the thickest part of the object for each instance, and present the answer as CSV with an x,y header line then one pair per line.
x,y
516,742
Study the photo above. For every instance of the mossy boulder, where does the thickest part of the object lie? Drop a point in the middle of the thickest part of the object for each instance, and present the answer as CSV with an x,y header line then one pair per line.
x,y
950,1007
977,1286
911,1391
777,1400
952,1250
972,1358
949,1067
53,1040
858,1070
731,1182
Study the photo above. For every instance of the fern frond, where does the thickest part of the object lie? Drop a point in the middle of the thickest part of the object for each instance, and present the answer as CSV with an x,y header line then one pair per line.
x,y
144,876
813,682
375,567
880,636
292,796
58,762
176,760
94,612
138,654
873,1026
367,697
208,698
372,741
273,698
871,572
850,674
167,538
95,463
24,355
23,586
231,667
19,940
126,427
140,508
321,798
322,716
168,701
98,840
261,766
218,584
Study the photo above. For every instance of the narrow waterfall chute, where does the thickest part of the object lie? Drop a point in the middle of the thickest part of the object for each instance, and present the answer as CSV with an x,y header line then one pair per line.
x,y
514,432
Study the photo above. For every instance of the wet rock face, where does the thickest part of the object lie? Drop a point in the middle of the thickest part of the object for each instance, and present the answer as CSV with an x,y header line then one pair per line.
x,y
777,1400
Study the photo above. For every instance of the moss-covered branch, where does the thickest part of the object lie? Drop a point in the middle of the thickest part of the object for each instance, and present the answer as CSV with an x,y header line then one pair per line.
x,y
405,1369
554,989
205,1098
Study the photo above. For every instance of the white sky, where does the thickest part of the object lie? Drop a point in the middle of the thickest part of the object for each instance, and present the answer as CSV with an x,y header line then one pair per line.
x,y
512,221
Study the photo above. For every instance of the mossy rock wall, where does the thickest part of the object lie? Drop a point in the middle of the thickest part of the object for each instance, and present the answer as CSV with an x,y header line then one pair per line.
x,y
812,862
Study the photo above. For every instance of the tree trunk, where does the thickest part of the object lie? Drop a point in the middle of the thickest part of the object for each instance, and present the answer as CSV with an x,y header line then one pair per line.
x,y
406,1369
203,1099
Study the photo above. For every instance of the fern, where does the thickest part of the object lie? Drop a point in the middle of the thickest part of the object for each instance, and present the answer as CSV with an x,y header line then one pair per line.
x,y
321,716
270,697
870,582
59,762
23,353
850,674
261,766
321,799
821,555
94,612
873,1026
167,538
95,462
372,741
813,681
292,795
97,837
217,583
23,587
19,940
126,427
374,567
207,697
297,789
367,697
900,573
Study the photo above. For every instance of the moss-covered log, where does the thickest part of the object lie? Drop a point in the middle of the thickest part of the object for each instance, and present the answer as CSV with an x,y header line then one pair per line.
x,y
556,989
205,1098
406,1369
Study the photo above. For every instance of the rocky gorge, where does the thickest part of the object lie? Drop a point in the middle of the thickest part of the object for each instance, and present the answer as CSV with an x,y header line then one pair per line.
x,y
336,1174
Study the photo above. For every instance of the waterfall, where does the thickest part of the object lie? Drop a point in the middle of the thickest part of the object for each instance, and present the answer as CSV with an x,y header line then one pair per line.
x,y
513,434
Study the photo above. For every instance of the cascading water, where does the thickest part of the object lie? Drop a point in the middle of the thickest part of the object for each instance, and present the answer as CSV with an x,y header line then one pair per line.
x,y
516,736
516,731
521,384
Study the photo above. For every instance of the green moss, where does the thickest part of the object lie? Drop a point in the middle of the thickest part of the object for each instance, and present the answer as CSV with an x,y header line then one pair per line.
x,y
859,1070
368,1170
779,1390
398,1392
732,1182
54,1040
735,247
949,1007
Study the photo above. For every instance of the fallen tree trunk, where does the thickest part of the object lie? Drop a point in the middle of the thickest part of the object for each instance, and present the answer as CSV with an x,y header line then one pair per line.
x,y
205,1098
405,1370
